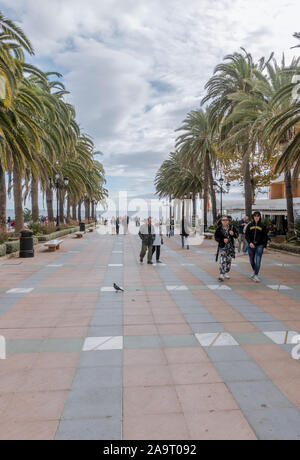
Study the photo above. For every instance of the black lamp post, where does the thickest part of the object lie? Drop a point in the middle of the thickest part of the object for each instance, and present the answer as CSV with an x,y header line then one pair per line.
x,y
219,188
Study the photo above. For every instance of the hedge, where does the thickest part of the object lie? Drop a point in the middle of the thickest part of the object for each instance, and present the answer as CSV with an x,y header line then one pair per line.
x,y
13,246
285,247
55,235
2,250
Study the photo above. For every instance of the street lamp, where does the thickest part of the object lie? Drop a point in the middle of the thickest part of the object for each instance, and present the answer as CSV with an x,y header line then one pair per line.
x,y
219,188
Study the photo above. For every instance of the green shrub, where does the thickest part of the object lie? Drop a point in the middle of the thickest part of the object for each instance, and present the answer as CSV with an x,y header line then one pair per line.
x,y
295,239
4,237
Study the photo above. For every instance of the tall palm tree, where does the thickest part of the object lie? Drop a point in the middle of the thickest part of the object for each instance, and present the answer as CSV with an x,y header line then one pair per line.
x,y
197,148
233,77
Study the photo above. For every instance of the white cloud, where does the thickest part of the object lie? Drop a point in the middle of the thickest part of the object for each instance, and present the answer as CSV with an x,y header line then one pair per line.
x,y
135,68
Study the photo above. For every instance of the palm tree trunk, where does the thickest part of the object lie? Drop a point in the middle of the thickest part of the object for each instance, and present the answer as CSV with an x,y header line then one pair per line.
x,y
2,201
87,209
49,199
289,200
205,192
19,218
74,211
35,199
212,190
79,211
68,209
247,184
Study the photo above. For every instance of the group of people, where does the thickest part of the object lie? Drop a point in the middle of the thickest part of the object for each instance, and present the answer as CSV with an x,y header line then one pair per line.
x,y
252,235
152,239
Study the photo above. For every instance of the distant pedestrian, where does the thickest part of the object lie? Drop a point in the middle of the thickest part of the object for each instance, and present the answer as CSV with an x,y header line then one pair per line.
x,y
241,238
117,225
147,235
157,242
257,237
8,223
225,235
185,233
172,226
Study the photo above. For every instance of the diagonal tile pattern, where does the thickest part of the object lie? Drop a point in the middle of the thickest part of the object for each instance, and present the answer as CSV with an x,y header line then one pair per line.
x,y
173,357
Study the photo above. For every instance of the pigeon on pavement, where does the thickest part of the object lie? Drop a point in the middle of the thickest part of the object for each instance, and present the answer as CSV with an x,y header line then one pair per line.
x,y
117,288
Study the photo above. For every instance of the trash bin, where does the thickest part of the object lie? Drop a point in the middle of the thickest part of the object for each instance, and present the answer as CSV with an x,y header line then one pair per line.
x,y
82,226
26,244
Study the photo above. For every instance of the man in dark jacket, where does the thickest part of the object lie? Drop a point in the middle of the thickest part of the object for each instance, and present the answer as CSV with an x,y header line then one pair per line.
x,y
147,235
257,237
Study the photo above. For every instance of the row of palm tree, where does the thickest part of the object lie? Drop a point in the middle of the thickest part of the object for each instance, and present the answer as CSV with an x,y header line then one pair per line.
x,y
250,117
40,141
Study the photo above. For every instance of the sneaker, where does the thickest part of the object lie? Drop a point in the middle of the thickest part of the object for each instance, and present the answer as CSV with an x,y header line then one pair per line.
x,y
227,276
221,277
150,263
252,276
256,279
141,261
159,262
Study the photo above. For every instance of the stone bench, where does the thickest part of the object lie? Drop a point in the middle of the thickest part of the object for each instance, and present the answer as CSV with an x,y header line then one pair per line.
x,y
53,245
79,234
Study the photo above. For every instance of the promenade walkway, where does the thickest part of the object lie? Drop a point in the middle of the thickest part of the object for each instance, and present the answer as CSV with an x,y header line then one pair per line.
x,y
177,356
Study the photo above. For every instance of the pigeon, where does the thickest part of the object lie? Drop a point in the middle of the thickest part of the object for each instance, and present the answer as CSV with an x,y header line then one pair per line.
x,y
117,288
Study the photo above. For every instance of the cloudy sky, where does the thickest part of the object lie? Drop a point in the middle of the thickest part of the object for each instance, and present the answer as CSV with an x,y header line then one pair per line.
x,y
136,67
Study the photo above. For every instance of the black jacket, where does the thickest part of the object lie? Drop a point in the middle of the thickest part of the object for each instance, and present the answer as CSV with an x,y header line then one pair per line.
x,y
257,234
219,236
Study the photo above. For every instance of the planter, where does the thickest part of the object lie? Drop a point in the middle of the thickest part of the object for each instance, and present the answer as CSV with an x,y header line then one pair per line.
x,y
55,235
2,250
285,247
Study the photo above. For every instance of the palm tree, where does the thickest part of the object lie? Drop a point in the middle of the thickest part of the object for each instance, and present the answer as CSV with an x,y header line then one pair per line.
x,y
174,179
197,148
233,78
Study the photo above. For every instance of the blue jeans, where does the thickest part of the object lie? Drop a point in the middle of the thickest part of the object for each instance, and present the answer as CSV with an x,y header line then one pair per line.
x,y
246,247
255,256
186,238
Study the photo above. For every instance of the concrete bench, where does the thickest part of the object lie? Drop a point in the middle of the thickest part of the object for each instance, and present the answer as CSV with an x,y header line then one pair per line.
x,y
53,244
79,234
208,236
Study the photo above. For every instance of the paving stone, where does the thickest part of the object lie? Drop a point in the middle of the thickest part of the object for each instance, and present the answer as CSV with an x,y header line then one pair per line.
x,y
249,338
105,331
258,395
142,341
100,402
105,358
243,371
230,353
275,424
90,430
92,378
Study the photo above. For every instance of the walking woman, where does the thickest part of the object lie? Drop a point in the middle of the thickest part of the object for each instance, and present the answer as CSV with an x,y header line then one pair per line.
x,y
225,235
157,242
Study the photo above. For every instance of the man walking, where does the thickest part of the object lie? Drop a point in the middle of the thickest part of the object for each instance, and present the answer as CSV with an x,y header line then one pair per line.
x,y
147,235
257,237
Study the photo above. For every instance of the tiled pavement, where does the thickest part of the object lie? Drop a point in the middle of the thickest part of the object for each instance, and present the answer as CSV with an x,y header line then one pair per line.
x,y
175,357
